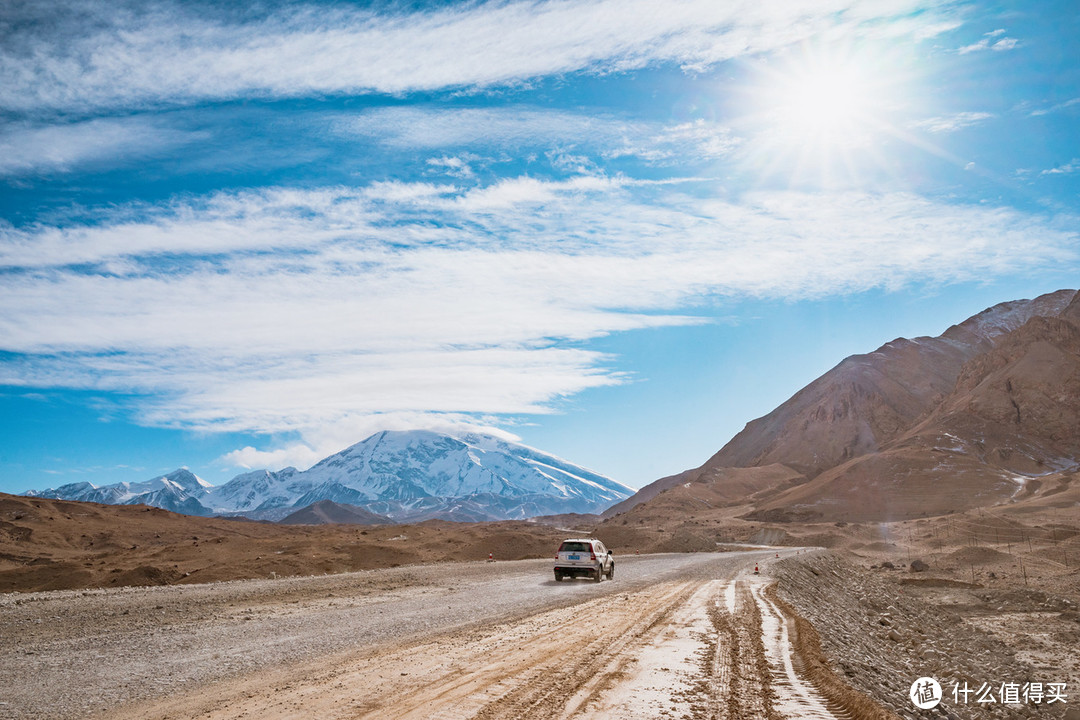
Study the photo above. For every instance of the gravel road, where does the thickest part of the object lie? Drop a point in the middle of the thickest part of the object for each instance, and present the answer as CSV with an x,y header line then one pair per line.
x,y
453,640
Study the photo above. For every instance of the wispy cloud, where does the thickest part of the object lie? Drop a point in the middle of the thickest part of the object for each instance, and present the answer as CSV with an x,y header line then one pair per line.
x,y
393,301
92,470
1066,169
1055,108
108,54
35,148
952,123
995,40
507,126
459,166
515,127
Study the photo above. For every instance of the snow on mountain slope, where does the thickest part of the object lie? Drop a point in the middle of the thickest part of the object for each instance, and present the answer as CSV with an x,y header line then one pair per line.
x,y
256,490
413,475
419,474
171,492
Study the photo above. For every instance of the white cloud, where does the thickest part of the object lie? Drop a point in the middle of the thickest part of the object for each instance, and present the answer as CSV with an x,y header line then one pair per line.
x,y
1066,169
993,40
27,148
459,166
110,55
328,440
504,127
952,123
713,140
513,128
399,301
1055,108
298,455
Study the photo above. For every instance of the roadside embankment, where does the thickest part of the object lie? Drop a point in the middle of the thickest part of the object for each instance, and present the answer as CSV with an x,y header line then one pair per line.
x,y
879,637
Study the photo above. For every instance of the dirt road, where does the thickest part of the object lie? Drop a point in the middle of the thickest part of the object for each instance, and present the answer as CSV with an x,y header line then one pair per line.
x,y
680,636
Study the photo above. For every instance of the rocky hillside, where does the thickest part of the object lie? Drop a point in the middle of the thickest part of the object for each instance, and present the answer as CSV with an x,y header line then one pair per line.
x,y
924,426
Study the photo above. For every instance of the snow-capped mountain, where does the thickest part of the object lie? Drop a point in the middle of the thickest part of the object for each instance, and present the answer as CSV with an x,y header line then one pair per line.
x,y
404,475
411,475
178,491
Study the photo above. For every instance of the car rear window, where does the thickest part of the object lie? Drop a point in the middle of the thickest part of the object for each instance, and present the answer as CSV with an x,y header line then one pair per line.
x,y
574,547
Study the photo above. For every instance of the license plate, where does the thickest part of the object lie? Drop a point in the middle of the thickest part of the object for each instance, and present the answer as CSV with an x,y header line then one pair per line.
x,y
573,557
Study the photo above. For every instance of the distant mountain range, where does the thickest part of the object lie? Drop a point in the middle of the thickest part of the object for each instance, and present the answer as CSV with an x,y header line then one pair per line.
x,y
178,491
982,414
403,476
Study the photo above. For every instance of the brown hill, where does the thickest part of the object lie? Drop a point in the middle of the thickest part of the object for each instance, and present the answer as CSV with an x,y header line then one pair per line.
x,y
58,544
718,486
1013,416
868,400
327,512
920,426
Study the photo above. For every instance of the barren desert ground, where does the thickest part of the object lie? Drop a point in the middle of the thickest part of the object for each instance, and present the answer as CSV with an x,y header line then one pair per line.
x,y
691,635
836,632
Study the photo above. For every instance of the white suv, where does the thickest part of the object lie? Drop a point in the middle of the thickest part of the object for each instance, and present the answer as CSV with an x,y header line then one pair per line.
x,y
578,557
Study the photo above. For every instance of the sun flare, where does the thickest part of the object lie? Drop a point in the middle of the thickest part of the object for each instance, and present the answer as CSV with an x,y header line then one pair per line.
x,y
824,100
821,114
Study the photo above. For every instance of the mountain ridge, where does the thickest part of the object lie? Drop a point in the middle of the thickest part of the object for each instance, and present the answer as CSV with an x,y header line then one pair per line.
x,y
402,476
919,418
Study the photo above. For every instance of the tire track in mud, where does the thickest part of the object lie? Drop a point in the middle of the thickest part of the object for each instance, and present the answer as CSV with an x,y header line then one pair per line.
x,y
747,692
657,675
561,660
793,696
725,674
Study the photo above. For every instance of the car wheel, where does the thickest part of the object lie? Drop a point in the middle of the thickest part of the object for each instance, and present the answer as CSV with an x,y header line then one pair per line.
x,y
611,572
558,577
599,573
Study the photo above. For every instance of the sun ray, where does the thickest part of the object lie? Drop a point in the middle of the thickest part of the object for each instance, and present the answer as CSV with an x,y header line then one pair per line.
x,y
821,114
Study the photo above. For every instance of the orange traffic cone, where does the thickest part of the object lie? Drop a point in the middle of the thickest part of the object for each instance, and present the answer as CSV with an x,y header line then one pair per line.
x,y
491,557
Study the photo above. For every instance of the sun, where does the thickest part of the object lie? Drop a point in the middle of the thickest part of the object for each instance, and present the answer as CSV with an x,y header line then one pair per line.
x,y
832,100
819,113
821,98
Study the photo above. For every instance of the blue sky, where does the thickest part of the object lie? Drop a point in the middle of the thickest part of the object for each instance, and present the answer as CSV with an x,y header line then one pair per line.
x,y
250,236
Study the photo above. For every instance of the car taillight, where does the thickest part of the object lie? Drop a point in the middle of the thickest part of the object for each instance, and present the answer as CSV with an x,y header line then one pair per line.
x,y
593,558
